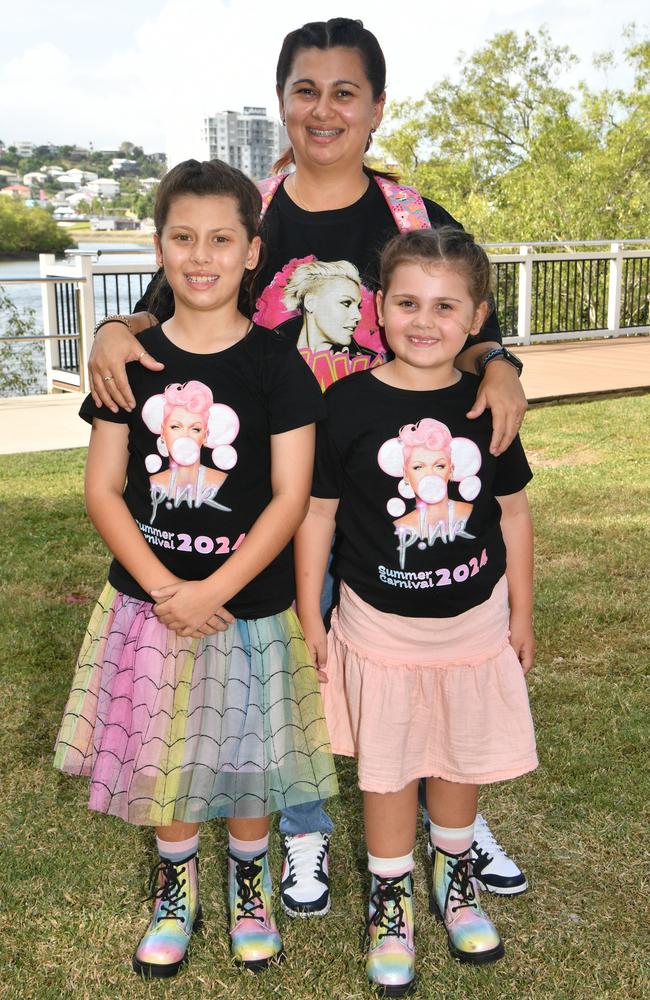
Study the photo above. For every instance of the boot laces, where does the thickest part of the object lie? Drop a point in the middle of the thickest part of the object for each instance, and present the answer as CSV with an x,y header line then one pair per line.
x,y
461,887
249,900
389,913
166,885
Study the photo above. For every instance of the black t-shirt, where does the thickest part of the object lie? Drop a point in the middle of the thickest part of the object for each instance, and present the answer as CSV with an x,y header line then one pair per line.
x,y
199,469
418,523
318,281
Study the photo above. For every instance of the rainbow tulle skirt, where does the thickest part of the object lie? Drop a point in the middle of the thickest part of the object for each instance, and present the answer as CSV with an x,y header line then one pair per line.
x,y
172,728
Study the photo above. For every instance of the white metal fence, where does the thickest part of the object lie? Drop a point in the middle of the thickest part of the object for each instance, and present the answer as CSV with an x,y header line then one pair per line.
x,y
543,293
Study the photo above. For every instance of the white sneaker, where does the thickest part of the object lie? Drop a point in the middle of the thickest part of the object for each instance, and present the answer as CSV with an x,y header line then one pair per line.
x,y
304,883
493,869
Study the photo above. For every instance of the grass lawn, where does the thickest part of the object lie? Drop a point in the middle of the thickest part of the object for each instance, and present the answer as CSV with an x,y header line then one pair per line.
x,y
71,881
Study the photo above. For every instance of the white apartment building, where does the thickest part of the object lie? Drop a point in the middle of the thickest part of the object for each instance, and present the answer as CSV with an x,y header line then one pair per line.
x,y
250,141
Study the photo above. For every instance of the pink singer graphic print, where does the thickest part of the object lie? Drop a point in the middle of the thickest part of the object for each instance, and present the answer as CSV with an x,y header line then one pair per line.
x,y
425,458
332,315
186,419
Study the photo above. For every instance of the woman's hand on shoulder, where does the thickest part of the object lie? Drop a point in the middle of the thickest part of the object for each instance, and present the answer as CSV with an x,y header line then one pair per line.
x,y
115,345
501,392
522,640
188,608
316,639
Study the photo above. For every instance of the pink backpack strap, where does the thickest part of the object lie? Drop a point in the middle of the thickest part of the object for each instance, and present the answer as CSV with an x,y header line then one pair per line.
x,y
267,189
406,205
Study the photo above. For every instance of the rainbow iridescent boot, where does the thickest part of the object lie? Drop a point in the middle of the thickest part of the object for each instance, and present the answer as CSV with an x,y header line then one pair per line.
x,y
390,964
454,900
174,887
255,941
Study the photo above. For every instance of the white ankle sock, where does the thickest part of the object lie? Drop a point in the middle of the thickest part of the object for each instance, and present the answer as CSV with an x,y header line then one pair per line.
x,y
453,840
177,850
390,867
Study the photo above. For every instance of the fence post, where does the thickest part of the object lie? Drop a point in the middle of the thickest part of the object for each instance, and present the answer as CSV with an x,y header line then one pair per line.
x,y
615,285
50,325
86,317
525,294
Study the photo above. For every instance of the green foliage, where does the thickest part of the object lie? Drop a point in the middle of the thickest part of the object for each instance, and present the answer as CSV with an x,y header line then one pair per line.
x,y
19,366
516,156
25,230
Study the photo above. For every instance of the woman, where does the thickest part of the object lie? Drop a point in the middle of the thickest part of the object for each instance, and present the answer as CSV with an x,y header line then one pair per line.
x,y
331,89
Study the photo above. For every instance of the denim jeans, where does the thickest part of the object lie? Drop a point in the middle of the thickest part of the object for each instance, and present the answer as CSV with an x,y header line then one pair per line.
x,y
310,817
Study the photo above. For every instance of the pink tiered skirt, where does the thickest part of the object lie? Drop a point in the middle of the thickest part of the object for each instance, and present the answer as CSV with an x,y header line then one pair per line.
x,y
427,697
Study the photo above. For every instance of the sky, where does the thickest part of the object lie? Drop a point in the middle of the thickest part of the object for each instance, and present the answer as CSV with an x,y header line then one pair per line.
x,y
148,70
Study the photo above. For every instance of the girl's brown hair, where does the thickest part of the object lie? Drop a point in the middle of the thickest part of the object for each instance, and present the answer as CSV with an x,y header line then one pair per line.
x,y
447,245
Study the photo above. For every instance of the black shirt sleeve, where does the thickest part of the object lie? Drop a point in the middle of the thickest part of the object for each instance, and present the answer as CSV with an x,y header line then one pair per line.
x,y
490,331
512,470
89,410
293,395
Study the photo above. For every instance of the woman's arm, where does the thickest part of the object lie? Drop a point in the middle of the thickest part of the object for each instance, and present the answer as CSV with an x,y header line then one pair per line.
x,y
312,546
517,529
500,391
104,482
114,345
183,606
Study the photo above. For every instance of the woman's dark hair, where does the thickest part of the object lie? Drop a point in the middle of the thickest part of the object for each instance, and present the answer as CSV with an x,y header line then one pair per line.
x,y
444,245
337,32
209,177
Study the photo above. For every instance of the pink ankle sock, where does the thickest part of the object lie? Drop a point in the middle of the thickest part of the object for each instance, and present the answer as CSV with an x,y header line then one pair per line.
x,y
390,867
453,840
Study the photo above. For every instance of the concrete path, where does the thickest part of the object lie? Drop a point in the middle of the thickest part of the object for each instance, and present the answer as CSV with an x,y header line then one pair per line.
x,y
552,373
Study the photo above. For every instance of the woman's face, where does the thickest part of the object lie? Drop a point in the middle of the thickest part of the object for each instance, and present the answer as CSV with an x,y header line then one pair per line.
x,y
183,433
329,108
334,306
428,473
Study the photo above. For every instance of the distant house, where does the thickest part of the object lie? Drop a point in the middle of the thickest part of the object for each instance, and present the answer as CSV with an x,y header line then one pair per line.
x,y
120,165
104,187
113,223
16,191
9,177
75,177
35,179
148,183
24,148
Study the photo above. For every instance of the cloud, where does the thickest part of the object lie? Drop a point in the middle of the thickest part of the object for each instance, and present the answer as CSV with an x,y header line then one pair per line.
x,y
164,65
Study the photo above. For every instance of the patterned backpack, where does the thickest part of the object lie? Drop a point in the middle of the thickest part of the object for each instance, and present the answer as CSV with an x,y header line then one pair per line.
x,y
405,203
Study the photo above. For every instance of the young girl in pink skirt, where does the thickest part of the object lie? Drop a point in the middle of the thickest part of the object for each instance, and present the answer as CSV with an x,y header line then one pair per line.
x,y
432,636
194,695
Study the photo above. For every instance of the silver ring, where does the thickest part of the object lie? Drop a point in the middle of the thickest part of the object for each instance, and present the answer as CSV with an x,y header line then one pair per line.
x,y
141,354
107,378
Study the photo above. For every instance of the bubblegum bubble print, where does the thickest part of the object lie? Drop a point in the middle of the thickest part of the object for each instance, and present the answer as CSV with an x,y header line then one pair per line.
x,y
395,507
153,463
431,489
185,451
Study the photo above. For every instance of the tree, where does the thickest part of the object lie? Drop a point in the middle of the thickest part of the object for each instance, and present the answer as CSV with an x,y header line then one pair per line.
x,y
26,231
517,157
19,368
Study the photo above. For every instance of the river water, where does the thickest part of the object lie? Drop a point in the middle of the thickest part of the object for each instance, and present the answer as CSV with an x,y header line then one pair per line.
x,y
29,297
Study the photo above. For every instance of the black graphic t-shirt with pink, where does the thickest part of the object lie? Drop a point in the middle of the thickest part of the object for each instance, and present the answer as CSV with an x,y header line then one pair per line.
x,y
199,470
418,522
319,277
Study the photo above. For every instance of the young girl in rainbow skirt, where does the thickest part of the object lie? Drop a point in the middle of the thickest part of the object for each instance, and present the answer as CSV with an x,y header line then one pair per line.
x,y
432,636
194,696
